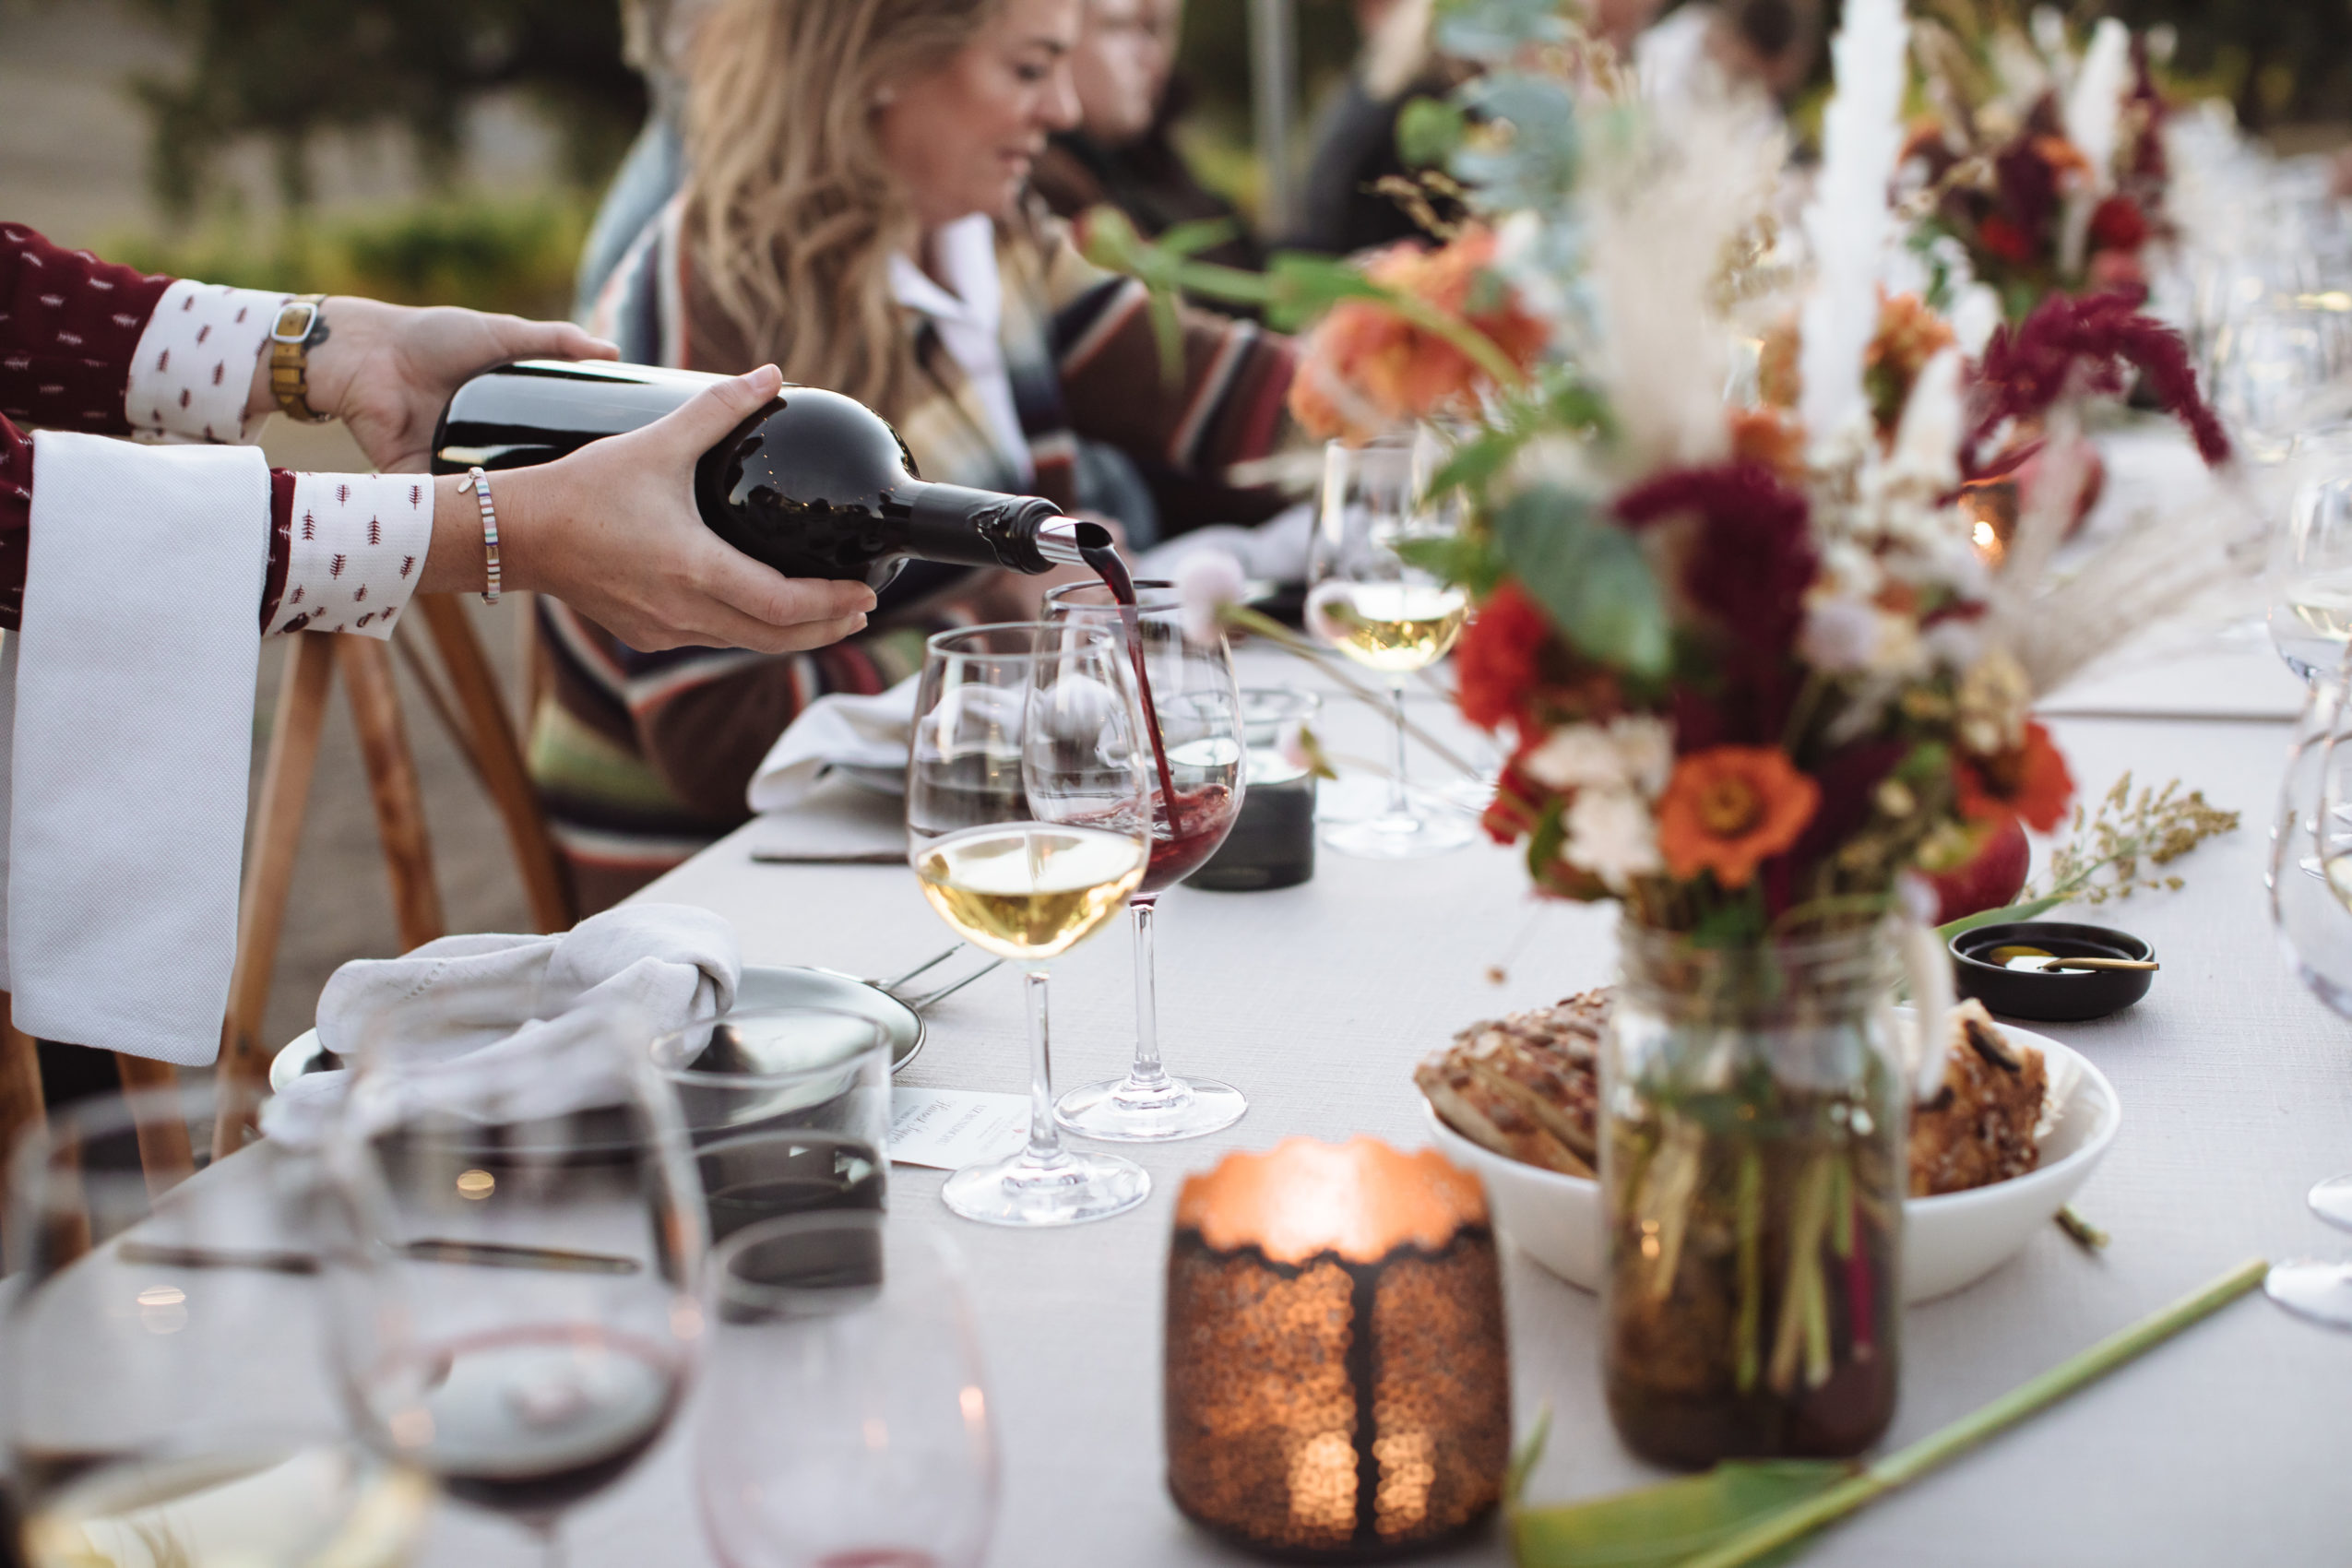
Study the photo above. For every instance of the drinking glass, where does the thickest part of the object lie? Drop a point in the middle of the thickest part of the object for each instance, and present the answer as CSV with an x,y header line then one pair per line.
x,y
2309,878
1028,822
162,1362
1192,712
512,1265
1385,614
2310,613
844,1423
2270,375
787,1109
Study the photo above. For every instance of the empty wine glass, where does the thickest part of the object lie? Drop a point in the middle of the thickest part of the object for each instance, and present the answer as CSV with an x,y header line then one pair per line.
x,y
1194,705
2309,878
1028,813
844,1420
2270,375
1385,612
513,1268
162,1357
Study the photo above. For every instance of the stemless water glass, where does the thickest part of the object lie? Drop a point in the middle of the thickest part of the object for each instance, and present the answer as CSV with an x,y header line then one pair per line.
x,y
2311,613
844,1419
789,1110
512,1270
2310,877
1385,613
1192,701
162,1361
1028,822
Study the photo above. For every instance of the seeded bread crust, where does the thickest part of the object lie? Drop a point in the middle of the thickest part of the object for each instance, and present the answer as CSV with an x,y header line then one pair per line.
x,y
1979,1127
1527,1086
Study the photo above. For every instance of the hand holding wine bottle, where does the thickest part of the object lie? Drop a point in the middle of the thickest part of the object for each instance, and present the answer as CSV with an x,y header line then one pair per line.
x,y
613,529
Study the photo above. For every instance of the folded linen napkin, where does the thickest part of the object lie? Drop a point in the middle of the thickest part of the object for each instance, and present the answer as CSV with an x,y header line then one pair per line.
x,y
1274,551
838,731
495,997
127,704
839,822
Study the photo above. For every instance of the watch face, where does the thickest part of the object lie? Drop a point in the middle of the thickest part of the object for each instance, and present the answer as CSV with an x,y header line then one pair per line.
x,y
294,322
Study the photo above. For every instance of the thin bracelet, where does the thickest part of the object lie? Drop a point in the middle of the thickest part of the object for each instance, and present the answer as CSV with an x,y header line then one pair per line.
x,y
479,482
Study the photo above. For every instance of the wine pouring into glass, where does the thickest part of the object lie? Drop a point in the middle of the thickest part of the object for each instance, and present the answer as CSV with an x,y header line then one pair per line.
x,y
1387,614
1028,823
1192,711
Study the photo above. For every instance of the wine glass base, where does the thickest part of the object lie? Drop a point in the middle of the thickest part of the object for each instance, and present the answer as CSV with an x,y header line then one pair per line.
x,y
1079,1186
2319,1292
1402,837
2331,1200
1124,1111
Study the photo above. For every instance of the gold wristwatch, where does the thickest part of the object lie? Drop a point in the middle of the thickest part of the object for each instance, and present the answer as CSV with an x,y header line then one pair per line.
x,y
299,324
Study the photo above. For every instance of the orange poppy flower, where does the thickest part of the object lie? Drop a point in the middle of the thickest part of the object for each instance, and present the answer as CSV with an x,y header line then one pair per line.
x,y
2030,783
1728,808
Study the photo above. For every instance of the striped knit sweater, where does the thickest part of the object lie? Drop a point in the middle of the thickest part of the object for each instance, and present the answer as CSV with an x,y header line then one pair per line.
x,y
642,758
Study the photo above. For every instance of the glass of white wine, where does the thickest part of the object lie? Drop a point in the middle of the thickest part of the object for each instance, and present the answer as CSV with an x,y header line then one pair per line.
x,y
1387,614
1028,824
2310,611
163,1356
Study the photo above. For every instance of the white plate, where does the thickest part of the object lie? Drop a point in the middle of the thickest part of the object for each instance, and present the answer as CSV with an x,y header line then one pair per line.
x,y
1949,1242
762,985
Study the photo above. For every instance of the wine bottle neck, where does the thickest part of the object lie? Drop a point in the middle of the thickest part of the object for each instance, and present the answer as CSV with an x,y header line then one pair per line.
x,y
980,527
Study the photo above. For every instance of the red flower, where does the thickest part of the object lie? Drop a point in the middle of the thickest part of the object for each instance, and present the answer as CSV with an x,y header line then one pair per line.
x,y
2030,783
2005,239
2119,225
1495,661
2027,368
1754,559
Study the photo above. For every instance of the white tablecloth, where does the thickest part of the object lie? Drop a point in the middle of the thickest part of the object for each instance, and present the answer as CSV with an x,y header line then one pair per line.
x,y
2226,1446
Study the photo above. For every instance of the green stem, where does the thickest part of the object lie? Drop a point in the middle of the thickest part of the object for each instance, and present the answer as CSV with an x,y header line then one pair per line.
x,y
1907,1465
1750,1267
1260,624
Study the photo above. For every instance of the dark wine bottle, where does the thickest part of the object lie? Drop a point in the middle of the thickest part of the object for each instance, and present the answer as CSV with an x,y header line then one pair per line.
x,y
815,485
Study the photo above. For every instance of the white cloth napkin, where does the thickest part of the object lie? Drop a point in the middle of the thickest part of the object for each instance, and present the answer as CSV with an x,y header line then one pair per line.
x,y
1274,551
492,997
127,701
839,822
856,730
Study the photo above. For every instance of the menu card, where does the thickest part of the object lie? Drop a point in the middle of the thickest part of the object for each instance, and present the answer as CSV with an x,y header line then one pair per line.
x,y
947,1129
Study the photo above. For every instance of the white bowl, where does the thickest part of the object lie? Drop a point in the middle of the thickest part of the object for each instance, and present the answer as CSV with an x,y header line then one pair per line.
x,y
1949,1242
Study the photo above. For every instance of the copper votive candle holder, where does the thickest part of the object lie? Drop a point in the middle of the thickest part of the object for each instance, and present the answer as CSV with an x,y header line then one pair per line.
x,y
1338,1387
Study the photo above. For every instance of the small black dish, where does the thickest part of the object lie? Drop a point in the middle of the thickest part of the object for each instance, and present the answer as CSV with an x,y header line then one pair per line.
x,y
2063,996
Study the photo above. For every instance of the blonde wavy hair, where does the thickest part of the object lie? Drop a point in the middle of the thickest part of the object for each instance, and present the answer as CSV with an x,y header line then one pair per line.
x,y
791,214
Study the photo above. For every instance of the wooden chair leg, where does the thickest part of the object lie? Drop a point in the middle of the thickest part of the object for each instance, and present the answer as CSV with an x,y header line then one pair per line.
x,y
20,1103
165,1152
392,779
499,760
302,695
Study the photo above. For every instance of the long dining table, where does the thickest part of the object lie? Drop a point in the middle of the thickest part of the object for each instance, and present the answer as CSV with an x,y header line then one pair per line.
x,y
2226,1444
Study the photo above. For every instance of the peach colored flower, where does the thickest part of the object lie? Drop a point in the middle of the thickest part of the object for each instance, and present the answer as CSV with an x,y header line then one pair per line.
x,y
1728,808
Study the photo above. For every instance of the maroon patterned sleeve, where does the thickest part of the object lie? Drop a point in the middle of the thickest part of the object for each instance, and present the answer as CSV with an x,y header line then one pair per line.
x,y
70,326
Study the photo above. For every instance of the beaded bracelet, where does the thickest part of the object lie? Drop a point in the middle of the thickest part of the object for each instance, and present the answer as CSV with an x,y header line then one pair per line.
x,y
479,482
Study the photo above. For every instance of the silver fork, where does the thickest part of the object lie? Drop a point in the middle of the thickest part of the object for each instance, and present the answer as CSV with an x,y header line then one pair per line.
x,y
922,1000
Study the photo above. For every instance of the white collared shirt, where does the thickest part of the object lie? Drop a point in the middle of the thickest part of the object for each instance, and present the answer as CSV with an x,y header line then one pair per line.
x,y
969,316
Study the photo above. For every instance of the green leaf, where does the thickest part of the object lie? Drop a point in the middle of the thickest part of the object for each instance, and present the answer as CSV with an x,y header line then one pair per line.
x,y
2031,908
1463,559
1200,234
1589,575
1656,1526
1305,286
1428,131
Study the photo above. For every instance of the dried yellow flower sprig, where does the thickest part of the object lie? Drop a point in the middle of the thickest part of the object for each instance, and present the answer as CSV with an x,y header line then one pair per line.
x,y
2118,847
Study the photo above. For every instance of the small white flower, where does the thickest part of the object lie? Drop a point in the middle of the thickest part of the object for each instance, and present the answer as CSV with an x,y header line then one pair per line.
x,y
1954,643
1926,444
1917,896
1580,757
1208,581
1611,834
1841,636
1646,747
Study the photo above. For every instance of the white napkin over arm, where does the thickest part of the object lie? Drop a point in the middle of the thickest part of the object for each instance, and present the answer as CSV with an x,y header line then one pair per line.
x,y
858,731
127,700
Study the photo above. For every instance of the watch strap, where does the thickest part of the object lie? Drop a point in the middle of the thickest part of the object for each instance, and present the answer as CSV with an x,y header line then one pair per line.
x,y
299,324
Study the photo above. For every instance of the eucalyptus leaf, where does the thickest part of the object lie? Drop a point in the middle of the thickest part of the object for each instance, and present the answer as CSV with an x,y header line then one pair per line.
x,y
1200,233
1657,1527
1589,575
1428,130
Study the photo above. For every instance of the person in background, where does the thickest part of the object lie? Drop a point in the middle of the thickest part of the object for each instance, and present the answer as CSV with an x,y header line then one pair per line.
x,y
856,209
1764,47
657,37
136,582
1123,153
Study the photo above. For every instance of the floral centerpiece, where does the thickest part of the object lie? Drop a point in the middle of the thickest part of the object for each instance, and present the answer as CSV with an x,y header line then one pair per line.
x,y
1753,670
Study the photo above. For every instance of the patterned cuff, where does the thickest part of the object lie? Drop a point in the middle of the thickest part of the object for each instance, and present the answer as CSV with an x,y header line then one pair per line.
x,y
193,370
357,544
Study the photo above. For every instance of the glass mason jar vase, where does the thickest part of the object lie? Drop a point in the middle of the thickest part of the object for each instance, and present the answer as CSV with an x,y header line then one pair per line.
x,y
1753,1175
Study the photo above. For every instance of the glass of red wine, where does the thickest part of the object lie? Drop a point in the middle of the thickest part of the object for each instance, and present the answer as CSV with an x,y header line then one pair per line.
x,y
512,1245
1193,709
844,1422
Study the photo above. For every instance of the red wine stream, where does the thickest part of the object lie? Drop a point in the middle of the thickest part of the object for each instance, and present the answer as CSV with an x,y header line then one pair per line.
x,y
1197,821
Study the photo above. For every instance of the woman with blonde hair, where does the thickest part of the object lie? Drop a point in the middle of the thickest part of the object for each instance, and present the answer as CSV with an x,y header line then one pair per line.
x,y
856,211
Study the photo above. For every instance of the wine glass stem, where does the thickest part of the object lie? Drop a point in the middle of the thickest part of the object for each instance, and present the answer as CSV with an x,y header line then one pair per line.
x,y
1146,1072
1045,1139
551,1545
1397,804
